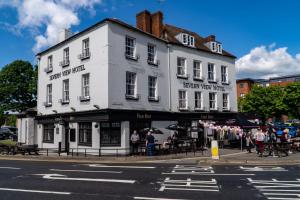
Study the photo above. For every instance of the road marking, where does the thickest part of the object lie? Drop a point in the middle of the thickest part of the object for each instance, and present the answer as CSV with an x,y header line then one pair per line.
x,y
263,169
16,168
115,166
205,174
63,177
191,170
151,198
35,191
189,185
275,189
85,171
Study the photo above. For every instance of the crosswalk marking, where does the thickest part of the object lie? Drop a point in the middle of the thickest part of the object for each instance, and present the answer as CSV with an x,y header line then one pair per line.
x,y
190,185
275,189
263,169
191,170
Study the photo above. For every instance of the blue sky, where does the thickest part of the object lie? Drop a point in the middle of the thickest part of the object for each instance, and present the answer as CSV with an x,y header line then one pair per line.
x,y
263,34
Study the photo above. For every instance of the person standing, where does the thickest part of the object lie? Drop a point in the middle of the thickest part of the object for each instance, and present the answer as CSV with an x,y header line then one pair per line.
x,y
249,142
135,140
260,137
150,144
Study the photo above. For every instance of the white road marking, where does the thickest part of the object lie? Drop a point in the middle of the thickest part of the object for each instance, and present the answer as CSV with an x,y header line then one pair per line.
x,y
151,198
263,169
63,177
275,189
189,185
85,171
35,191
205,174
191,170
125,167
16,168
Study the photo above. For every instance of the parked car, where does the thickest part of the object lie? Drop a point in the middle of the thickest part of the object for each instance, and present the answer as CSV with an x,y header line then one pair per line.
x,y
8,132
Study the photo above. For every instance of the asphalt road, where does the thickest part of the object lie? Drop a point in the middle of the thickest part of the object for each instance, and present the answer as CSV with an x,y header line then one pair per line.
x,y
149,181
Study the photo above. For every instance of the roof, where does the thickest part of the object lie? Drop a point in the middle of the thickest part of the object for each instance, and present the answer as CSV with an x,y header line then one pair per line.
x,y
171,31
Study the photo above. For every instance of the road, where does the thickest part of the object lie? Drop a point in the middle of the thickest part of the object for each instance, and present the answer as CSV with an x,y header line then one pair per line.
x,y
148,181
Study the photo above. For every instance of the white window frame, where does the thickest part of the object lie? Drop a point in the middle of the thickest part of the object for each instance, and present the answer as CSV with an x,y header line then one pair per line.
x,y
66,55
225,101
212,72
152,87
50,63
130,47
85,85
213,46
198,100
182,100
86,47
219,48
151,53
131,79
66,91
224,74
49,94
181,69
197,72
212,101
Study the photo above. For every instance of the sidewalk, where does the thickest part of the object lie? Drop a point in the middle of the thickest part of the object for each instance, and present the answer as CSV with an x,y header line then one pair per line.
x,y
227,156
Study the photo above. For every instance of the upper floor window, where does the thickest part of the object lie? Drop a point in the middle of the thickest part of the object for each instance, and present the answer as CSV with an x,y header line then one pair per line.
x,y
186,39
152,54
49,95
225,102
50,64
182,99
130,44
197,70
241,85
211,72
131,85
198,100
181,67
152,90
66,98
242,95
224,74
85,49
85,87
212,101
215,47
219,47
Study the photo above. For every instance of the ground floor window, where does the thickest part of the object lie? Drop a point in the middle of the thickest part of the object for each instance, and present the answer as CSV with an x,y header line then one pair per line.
x,y
48,133
110,134
85,134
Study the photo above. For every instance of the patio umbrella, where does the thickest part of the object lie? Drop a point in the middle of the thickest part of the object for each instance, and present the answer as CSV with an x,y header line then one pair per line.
x,y
152,130
175,127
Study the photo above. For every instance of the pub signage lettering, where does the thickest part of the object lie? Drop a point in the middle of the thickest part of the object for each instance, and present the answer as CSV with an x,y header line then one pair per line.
x,y
143,116
203,86
67,72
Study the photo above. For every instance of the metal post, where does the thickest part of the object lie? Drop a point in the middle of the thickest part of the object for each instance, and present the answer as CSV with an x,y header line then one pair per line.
x,y
84,152
47,151
59,148
99,152
117,152
72,152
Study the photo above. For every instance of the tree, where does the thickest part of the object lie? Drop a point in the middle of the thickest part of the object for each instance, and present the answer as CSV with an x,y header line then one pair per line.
x,y
18,86
264,101
292,99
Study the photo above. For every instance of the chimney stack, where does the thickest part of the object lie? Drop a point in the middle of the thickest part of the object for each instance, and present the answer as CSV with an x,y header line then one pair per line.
x,y
143,21
150,23
64,34
210,38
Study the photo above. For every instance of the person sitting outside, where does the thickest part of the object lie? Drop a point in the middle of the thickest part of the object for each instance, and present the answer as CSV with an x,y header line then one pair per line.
x,y
150,144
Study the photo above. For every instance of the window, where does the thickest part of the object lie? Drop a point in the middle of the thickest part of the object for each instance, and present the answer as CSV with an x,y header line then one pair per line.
x,y
130,47
211,72
72,135
182,99
50,64
241,85
131,84
225,102
187,39
197,70
181,66
151,54
219,48
224,74
66,98
198,100
242,95
213,46
66,58
212,101
86,48
49,94
110,134
85,133
48,133
86,85
152,84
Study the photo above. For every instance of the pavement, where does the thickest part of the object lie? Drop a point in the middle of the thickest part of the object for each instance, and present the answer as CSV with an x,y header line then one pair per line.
x,y
227,156
29,180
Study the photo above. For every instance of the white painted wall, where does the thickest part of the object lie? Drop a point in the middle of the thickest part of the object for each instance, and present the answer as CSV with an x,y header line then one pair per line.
x,y
26,130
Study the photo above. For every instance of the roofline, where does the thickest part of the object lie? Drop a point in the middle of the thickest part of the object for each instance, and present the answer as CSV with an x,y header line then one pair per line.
x,y
123,24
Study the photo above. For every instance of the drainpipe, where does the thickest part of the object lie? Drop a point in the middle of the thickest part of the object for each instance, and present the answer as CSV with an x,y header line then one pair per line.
x,y
169,77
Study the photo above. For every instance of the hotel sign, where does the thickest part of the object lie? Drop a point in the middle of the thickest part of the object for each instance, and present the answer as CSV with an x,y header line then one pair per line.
x,y
67,72
203,86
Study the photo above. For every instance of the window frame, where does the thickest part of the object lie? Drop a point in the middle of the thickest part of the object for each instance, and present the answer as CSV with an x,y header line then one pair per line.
x,y
198,100
109,133
130,51
151,56
214,101
199,71
66,91
181,69
212,72
83,134
131,85
224,76
225,102
182,101
48,130
49,92
49,64
152,88
85,87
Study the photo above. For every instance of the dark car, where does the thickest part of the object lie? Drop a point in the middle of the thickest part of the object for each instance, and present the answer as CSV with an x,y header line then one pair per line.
x,y
8,132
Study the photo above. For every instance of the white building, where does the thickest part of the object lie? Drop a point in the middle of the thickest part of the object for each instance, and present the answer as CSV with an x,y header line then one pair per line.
x,y
98,85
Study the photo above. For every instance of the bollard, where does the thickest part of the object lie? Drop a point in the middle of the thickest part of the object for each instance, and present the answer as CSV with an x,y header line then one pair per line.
x,y
47,152
77,152
84,152
72,152
99,152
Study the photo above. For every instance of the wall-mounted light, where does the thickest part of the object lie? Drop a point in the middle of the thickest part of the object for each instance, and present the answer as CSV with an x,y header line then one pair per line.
x,y
73,109
55,111
96,106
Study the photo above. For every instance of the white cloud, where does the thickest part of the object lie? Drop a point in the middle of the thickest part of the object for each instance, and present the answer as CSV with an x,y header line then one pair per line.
x,y
265,62
50,15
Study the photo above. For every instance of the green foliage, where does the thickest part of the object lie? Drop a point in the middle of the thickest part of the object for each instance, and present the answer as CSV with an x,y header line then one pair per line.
x,y
18,86
8,143
292,99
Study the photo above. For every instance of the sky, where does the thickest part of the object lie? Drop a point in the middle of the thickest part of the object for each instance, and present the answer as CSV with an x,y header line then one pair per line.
x,y
263,34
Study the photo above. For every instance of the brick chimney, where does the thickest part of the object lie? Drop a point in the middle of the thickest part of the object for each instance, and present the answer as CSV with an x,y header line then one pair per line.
x,y
143,21
157,23
210,38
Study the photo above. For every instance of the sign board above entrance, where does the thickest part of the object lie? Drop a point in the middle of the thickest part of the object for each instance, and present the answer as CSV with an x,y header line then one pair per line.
x,y
67,72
